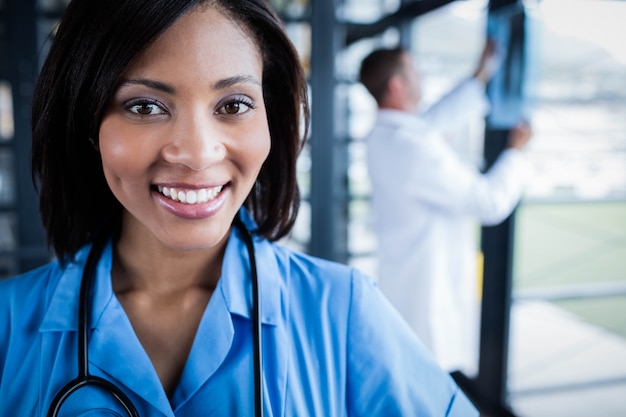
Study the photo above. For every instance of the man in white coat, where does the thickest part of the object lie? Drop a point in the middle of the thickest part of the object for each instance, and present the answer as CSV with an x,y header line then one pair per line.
x,y
426,202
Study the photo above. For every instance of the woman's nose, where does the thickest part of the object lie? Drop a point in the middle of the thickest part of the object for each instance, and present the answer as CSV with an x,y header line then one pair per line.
x,y
196,142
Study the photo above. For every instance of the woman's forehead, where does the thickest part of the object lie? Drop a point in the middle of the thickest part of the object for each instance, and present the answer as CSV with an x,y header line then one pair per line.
x,y
213,43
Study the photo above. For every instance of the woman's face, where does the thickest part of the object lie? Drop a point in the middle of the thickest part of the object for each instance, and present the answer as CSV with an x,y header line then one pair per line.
x,y
186,133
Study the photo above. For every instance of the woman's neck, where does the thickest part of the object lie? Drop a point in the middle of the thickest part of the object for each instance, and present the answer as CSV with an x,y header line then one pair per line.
x,y
152,268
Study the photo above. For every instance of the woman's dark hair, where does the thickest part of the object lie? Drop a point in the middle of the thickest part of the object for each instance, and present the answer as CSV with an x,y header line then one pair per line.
x,y
96,43
378,67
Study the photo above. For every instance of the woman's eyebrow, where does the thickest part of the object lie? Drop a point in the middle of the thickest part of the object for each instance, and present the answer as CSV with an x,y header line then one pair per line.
x,y
238,79
219,85
157,85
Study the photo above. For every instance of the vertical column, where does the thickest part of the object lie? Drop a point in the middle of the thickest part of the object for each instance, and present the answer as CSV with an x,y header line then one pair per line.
x,y
497,242
23,68
329,197
489,388
405,27
497,247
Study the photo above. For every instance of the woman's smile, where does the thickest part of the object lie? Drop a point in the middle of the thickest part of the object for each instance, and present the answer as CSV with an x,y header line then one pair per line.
x,y
191,203
189,196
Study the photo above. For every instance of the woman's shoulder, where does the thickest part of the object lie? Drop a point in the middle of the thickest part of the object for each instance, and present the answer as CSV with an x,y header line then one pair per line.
x,y
27,288
297,262
314,274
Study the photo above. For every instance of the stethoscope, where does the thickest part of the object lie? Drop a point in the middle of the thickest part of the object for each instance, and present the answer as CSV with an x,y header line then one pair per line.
x,y
84,378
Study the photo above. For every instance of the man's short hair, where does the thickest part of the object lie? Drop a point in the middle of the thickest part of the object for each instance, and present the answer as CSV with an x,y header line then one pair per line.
x,y
378,67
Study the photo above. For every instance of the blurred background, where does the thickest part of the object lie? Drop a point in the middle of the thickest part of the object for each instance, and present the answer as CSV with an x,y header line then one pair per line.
x,y
554,316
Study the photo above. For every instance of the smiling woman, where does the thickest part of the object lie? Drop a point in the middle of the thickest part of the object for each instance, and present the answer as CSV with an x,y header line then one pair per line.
x,y
157,301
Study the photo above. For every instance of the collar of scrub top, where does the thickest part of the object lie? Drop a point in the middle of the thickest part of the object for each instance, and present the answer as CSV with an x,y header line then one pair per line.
x,y
60,315
235,293
238,293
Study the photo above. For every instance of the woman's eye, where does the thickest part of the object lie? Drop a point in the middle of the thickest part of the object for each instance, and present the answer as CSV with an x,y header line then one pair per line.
x,y
145,108
235,107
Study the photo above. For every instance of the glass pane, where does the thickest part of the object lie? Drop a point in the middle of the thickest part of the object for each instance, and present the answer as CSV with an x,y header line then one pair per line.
x,y
6,112
8,265
46,29
53,6
4,52
7,179
447,44
300,35
290,9
568,322
568,332
579,93
367,10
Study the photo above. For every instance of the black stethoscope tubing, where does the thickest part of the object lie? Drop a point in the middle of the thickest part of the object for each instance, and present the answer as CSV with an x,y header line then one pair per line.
x,y
256,320
84,378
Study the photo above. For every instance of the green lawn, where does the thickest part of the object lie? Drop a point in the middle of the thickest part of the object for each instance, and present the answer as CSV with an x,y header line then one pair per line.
x,y
581,243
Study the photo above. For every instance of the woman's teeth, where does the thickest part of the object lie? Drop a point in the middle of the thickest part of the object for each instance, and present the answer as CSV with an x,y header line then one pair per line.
x,y
191,196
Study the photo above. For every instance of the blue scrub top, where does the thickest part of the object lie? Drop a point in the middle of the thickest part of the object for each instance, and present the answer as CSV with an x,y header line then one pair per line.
x,y
332,345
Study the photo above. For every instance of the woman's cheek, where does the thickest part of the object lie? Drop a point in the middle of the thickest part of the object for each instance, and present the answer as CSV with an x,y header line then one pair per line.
x,y
122,150
259,144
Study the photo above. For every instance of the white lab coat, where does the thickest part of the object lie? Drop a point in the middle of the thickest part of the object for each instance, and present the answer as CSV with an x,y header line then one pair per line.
x,y
426,202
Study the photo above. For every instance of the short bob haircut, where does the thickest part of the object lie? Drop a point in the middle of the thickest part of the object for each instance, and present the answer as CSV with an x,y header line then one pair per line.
x,y
96,43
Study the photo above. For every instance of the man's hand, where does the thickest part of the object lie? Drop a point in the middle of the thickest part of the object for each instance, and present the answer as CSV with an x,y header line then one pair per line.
x,y
489,62
520,135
